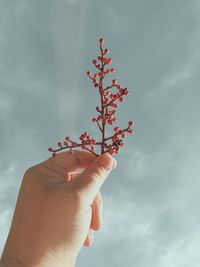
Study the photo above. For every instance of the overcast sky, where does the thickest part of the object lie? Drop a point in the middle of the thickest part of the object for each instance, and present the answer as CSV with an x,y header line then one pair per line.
x,y
152,199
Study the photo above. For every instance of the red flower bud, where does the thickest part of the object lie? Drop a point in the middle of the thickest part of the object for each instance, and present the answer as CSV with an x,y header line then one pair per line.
x,y
121,143
130,131
109,61
123,135
130,123
101,41
100,74
114,105
88,73
125,91
114,81
116,129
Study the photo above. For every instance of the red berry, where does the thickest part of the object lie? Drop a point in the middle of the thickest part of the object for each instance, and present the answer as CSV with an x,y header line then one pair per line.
x,y
88,73
101,41
112,150
130,131
125,91
109,61
123,135
59,144
94,119
106,51
112,70
94,61
65,143
121,144
104,60
130,123
114,105
114,81
99,117
121,99
116,129
95,75
96,84
116,151
50,149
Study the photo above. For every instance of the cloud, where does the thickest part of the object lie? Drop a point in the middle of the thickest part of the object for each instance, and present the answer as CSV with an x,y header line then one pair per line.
x,y
151,200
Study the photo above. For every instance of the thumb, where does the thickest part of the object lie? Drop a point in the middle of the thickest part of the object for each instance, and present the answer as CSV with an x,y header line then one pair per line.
x,y
91,179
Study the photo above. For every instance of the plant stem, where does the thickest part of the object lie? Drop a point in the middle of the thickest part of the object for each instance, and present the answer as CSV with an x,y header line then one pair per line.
x,y
102,105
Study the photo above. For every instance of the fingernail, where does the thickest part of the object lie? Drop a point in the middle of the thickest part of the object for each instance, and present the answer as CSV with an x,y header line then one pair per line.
x,y
92,235
106,161
114,164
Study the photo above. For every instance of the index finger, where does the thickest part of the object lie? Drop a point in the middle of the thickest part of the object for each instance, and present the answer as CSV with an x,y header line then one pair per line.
x,y
73,162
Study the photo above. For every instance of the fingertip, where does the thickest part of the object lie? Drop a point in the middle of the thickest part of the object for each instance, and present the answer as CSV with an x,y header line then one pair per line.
x,y
114,164
106,161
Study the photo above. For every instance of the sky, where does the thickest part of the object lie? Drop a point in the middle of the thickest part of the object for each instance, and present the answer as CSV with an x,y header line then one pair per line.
x,y
151,213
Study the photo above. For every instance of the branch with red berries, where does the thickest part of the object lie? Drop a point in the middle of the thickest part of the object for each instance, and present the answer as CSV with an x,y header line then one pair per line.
x,y
106,112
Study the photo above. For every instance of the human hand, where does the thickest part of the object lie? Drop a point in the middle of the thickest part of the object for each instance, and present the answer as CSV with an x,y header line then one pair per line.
x,y
57,209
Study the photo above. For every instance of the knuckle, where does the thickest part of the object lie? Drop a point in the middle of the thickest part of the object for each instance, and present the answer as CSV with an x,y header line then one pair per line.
x,y
30,171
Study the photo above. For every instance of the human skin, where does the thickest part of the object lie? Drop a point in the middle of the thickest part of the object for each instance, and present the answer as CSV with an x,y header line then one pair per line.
x,y
58,206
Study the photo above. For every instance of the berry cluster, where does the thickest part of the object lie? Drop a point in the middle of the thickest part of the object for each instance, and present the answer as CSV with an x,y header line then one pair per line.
x,y
106,111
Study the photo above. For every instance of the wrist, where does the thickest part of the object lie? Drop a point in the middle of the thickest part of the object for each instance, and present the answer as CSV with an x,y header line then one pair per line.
x,y
8,261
